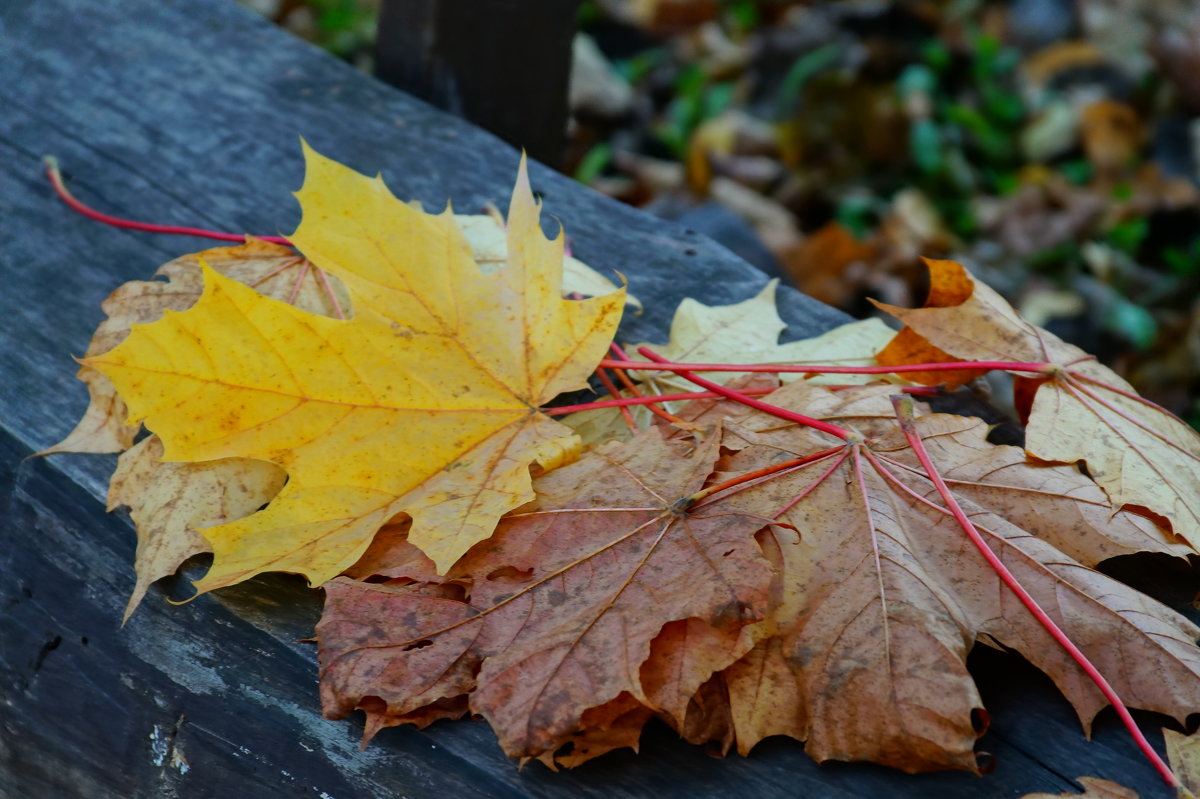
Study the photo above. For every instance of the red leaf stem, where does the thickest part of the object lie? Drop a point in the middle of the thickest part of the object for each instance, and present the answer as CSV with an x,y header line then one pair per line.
x,y
766,471
52,172
299,282
904,413
665,365
745,399
635,391
626,401
607,382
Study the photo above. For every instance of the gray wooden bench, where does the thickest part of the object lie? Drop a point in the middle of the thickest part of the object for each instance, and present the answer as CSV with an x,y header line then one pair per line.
x,y
189,112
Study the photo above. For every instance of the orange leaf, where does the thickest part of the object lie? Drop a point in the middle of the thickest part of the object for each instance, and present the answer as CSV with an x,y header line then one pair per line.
x,y
948,286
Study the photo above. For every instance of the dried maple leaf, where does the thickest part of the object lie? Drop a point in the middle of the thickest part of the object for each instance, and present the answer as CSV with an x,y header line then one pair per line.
x,y
1184,753
561,609
169,502
275,271
683,656
271,268
1057,503
1081,411
748,332
879,601
424,403
744,332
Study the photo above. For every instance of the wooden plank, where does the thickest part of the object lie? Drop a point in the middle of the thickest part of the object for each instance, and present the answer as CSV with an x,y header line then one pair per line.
x,y
503,65
188,113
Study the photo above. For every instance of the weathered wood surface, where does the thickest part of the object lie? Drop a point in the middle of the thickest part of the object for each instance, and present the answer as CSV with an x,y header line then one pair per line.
x,y
188,113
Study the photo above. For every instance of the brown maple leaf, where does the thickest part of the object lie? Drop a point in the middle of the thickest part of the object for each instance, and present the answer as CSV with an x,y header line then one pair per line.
x,y
872,609
561,605
1055,502
879,600
170,502
1081,411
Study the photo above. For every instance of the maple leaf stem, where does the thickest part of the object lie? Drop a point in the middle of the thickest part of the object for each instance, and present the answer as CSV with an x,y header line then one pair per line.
x,y
665,365
60,188
633,389
904,414
977,484
627,401
611,388
329,292
775,468
288,264
304,267
744,399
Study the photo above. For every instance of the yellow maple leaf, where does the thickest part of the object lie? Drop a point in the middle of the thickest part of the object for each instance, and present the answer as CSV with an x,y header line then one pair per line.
x,y
424,403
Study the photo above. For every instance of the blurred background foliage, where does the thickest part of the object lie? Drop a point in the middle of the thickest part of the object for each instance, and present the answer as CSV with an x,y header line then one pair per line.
x,y
1051,145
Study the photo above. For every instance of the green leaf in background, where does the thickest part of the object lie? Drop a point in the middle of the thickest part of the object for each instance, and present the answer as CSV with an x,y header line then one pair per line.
x,y
1078,171
744,15
593,163
858,213
925,145
717,98
1132,323
636,68
1183,262
1127,236
802,69
936,55
916,79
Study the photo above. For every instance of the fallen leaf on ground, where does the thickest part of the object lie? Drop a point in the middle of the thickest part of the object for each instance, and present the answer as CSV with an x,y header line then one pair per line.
x,y
1183,752
880,598
748,332
169,502
1082,411
423,403
561,605
274,270
831,264
1112,136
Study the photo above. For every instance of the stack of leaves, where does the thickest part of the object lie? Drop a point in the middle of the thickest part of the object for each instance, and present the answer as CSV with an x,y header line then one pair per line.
x,y
812,559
